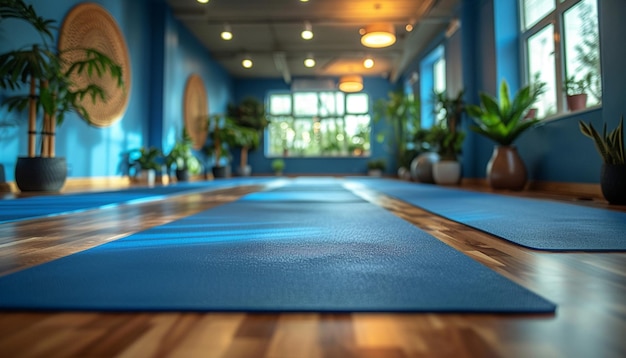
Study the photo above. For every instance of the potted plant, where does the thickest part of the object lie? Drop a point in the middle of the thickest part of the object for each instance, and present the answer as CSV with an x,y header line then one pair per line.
x,y
503,122
448,138
181,158
224,134
376,167
278,165
610,146
537,87
147,162
52,93
402,114
251,119
576,91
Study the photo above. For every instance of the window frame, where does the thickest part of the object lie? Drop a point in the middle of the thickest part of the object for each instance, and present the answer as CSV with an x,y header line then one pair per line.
x,y
293,117
555,18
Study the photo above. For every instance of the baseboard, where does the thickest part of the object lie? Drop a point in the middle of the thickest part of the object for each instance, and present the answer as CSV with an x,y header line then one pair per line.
x,y
577,190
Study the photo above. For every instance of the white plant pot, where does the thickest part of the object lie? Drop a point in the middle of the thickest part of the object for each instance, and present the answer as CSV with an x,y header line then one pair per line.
x,y
447,172
147,176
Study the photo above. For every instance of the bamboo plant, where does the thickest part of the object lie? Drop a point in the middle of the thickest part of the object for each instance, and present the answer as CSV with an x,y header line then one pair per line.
x,y
49,77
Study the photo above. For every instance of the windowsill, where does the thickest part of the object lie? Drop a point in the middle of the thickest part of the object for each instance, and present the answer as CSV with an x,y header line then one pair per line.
x,y
569,114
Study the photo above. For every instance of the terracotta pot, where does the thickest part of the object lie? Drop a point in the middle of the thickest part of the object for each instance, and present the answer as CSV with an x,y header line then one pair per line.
x,y
613,183
505,169
577,102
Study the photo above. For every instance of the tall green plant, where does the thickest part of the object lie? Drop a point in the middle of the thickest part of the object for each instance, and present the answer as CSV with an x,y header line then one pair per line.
x,y
610,146
446,135
49,77
402,113
503,120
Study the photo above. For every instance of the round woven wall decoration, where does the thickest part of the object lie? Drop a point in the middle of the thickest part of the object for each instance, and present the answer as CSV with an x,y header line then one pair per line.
x,y
89,25
196,110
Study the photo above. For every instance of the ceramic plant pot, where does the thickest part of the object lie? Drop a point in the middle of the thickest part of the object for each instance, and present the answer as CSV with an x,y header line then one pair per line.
x,y
613,183
505,169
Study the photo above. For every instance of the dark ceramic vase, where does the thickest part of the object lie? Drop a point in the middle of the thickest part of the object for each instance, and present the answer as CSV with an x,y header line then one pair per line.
x,y
505,169
40,174
613,183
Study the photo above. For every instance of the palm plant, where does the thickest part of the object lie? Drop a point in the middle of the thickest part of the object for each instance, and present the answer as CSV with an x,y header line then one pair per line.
x,y
50,78
402,113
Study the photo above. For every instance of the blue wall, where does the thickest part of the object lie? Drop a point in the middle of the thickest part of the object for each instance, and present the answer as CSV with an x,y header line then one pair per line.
x,y
162,53
554,151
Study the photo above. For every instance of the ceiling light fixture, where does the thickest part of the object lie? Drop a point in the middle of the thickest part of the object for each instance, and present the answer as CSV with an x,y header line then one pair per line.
x,y
307,33
309,61
351,83
378,35
203,1
227,33
368,62
247,62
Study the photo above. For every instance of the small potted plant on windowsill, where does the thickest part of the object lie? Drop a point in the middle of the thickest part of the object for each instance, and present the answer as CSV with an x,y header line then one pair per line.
x,y
576,91
611,148
376,167
278,165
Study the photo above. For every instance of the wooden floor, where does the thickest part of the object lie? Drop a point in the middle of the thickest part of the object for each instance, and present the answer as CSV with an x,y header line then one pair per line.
x,y
589,288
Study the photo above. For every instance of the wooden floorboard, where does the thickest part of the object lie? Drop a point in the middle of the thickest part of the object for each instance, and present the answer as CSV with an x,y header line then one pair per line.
x,y
589,288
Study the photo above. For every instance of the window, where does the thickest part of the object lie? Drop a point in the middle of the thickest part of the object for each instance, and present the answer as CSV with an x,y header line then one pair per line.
x,y
433,80
314,124
561,46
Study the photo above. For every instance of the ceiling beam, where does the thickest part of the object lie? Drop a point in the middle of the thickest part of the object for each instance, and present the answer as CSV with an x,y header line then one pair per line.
x,y
280,61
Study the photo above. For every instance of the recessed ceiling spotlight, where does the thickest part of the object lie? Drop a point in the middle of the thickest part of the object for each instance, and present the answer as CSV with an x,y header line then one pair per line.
x,y
307,33
203,1
304,0
409,27
247,62
368,63
227,34
309,61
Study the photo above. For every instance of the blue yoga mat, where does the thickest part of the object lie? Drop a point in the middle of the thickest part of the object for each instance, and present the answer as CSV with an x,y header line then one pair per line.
x,y
534,223
52,205
269,252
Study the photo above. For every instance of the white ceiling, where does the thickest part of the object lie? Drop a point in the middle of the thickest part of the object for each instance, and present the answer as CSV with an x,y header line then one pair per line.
x,y
269,32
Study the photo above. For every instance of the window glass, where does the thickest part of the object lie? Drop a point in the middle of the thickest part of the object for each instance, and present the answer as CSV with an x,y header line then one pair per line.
x,y
319,126
280,104
535,10
561,47
581,44
541,66
305,104
439,73
357,103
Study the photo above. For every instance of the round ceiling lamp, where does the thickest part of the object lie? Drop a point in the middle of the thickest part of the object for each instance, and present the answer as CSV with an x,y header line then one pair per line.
x,y
378,35
351,83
